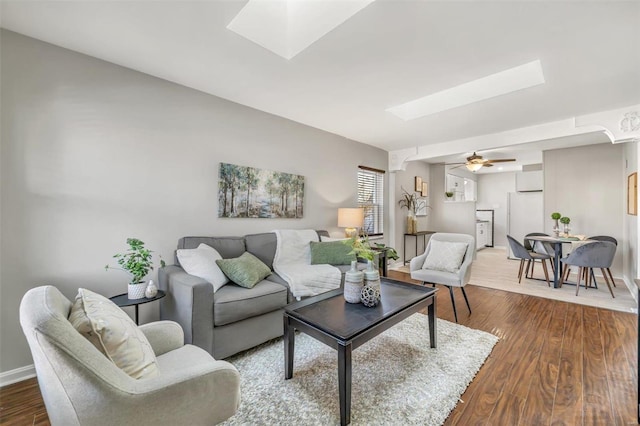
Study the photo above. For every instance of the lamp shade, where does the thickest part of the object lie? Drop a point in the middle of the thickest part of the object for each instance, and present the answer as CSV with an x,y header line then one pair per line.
x,y
350,217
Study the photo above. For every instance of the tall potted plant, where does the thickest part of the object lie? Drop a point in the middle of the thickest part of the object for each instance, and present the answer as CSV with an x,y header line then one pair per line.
x,y
556,227
412,204
138,262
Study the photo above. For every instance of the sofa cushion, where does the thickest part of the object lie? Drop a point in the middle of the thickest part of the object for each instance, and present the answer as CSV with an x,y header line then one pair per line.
x,y
262,246
233,303
228,247
201,262
332,253
246,270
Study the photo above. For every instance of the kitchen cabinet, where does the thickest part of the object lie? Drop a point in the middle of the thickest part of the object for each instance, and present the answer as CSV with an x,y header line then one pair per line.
x,y
481,235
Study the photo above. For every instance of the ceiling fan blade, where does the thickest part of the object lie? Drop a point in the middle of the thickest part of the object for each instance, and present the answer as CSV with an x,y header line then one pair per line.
x,y
504,160
461,164
453,164
487,165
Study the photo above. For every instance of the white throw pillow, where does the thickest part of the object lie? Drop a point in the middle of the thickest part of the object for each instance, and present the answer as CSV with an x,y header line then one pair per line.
x,y
445,256
114,334
201,262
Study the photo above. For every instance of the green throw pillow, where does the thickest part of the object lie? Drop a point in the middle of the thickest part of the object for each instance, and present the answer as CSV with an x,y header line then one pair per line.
x,y
331,252
246,270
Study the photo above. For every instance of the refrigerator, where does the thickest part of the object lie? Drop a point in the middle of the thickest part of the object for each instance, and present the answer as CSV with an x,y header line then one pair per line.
x,y
525,214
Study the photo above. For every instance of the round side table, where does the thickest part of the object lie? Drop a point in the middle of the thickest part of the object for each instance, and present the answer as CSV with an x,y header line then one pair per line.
x,y
123,300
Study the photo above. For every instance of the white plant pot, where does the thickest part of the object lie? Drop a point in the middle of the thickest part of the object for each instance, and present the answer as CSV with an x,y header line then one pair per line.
x,y
136,291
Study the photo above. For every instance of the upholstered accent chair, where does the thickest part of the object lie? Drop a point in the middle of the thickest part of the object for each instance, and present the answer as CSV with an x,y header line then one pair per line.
x,y
458,277
81,386
599,254
611,240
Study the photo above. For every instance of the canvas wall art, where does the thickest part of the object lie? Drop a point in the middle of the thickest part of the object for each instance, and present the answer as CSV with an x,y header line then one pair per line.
x,y
257,193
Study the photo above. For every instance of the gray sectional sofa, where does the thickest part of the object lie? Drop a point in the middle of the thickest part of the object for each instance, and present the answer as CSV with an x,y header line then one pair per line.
x,y
232,319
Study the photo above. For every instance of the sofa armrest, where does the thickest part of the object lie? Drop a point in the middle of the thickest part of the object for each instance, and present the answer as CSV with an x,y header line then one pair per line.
x,y
164,336
189,302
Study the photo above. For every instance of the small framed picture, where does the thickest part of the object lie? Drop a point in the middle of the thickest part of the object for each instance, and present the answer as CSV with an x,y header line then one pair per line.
x,y
424,191
418,183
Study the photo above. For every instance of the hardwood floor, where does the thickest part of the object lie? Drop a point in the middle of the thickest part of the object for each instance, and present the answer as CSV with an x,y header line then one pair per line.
x,y
556,364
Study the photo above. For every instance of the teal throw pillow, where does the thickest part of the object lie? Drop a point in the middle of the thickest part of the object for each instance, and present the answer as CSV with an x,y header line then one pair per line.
x,y
332,253
246,270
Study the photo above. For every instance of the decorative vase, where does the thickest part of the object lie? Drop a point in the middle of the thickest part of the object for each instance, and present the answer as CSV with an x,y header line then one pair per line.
x,y
556,229
412,224
566,229
370,294
151,290
353,284
136,291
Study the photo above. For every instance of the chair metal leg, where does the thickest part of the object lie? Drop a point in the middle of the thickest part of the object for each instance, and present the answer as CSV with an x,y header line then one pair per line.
x,y
453,302
604,274
464,293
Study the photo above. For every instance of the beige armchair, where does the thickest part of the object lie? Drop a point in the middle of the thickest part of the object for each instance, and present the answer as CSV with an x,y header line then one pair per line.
x,y
81,386
457,278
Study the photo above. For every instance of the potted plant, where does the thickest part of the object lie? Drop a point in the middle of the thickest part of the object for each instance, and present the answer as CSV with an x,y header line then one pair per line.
x,y
556,228
449,195
138,262
565,221
412,204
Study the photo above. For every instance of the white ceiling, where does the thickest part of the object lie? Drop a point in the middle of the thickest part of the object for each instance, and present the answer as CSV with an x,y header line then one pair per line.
x,y
389,53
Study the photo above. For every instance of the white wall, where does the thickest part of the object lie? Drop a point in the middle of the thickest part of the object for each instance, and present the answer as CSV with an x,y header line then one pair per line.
x,y
406,179
448,216
586,184
93,153
630,226
492,194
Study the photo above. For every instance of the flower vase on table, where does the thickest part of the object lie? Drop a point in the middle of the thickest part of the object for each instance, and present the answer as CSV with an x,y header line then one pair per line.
x,y
370,294
412,224
353,282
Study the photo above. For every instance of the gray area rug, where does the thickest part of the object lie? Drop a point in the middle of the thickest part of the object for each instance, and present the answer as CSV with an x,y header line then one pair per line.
x,y
397,378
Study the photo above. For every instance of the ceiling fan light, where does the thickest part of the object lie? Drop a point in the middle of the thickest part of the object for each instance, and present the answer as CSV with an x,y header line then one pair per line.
x,y
473,167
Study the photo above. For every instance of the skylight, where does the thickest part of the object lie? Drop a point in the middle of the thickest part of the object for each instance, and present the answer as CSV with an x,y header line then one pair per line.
x,y
501,83
287,27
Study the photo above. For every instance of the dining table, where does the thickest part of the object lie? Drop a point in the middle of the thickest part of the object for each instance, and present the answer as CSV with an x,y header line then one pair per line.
x,y
557,243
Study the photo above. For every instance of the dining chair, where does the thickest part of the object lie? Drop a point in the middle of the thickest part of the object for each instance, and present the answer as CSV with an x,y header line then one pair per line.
x,y
539,247
520,252
598,254
612,240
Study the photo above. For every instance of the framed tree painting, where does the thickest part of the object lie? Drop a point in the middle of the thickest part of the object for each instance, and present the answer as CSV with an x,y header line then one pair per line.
x,y
256,193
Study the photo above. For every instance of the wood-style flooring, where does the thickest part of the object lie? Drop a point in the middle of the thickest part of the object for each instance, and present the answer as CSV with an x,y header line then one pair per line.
x,y
556,364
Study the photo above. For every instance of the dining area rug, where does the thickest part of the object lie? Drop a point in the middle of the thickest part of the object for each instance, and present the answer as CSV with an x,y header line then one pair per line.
x,y
396,378
493,269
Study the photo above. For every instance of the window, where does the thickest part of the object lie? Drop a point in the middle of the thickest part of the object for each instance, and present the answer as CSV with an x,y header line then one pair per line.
x,y
371,198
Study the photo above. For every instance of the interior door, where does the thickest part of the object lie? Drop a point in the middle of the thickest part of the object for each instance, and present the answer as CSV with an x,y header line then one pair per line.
x,y
525,214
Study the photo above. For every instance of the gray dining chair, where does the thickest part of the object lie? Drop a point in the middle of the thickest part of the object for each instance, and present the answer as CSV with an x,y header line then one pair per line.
x,y
611,240
587,257
539,247
520,252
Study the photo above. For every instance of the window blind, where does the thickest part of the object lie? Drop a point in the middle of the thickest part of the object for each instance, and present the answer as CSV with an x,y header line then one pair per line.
x,y
371,198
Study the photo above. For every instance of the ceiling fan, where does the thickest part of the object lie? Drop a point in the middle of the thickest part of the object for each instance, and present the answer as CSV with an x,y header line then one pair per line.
x,y
475,162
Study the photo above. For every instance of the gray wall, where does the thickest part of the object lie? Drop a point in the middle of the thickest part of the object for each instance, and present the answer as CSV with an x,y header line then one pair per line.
x,y
492,194
587,184
93,153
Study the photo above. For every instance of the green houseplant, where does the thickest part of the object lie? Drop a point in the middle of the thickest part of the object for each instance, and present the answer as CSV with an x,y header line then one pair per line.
x,y
556,228
448,194
565,221
138,262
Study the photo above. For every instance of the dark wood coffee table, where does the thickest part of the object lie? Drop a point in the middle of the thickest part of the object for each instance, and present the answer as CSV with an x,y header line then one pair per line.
x,y
345,326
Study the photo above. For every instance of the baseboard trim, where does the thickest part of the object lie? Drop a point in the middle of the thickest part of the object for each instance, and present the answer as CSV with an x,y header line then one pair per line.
x,y
17,375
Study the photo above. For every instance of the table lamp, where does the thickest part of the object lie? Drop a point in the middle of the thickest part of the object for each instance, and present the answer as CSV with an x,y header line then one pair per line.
x,y
351,219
